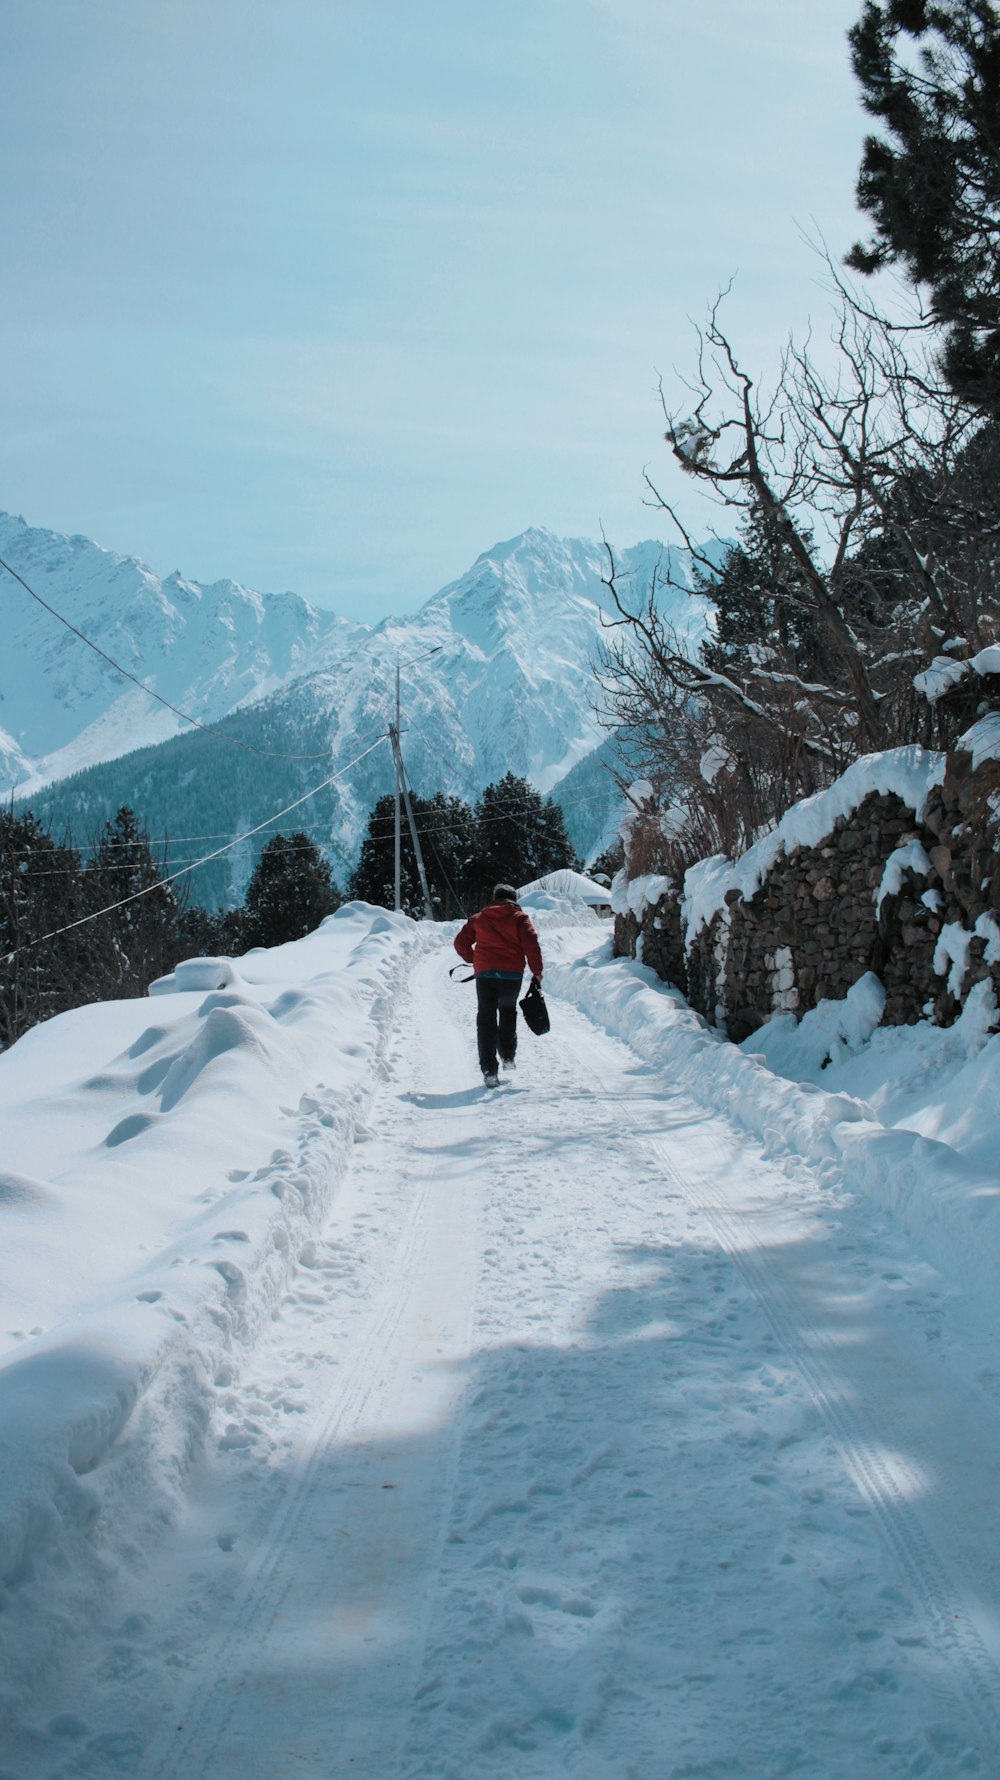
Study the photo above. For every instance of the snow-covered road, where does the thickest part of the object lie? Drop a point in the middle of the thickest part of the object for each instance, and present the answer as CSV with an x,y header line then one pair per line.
x,y
594,1438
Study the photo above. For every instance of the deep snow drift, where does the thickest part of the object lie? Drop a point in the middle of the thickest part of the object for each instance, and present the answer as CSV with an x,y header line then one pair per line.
x,y
639,1418
163,1163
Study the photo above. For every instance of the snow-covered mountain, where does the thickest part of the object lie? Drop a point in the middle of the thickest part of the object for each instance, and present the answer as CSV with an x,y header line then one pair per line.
x,y
495,676
206,649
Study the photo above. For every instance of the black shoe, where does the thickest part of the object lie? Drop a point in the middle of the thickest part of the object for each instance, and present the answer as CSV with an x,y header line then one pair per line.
x,y
508,1063
490,1078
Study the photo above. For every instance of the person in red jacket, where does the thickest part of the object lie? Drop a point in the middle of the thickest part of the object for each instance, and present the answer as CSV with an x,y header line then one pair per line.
x,y
498,943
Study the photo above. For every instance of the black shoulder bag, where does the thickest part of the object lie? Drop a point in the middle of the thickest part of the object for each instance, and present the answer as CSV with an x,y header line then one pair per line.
x,y
532,1005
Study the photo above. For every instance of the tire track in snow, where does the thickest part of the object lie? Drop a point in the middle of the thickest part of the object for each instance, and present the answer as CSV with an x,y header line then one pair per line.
x,y
267,1580
216,1743
413,1322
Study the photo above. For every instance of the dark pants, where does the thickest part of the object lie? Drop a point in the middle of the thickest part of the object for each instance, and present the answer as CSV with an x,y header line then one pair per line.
x,y
496,1020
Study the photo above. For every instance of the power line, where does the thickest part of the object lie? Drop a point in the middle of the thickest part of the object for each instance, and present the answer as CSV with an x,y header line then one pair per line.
x,y
458,900
384,822
437,856
177,840
161,883
206,728
124,865
435,750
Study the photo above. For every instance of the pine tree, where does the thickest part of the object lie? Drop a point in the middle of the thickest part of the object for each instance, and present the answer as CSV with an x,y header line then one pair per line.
x,y
373,878
447,832
761,608
139,940
519,836
41,893
931,183
290,893
210,932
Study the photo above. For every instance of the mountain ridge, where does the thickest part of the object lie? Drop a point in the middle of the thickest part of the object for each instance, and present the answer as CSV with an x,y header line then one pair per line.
x,y
206,649
496,676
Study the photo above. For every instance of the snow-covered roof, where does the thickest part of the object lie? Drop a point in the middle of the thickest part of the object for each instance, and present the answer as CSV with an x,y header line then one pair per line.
x,y
570,884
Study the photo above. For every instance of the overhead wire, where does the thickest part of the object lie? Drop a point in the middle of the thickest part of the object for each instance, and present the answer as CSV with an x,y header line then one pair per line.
x,y
206,728
232,741
459,901
161,883
385,823
436,751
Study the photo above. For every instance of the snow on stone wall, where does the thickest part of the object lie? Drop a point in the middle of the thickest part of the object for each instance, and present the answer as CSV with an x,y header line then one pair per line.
x,y
892,870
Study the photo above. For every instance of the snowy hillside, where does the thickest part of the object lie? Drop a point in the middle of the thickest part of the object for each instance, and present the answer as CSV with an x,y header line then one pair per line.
x,y
497,677
638,1417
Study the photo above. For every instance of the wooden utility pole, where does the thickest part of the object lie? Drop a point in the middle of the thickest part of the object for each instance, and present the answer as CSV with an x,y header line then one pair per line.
x,y
403,787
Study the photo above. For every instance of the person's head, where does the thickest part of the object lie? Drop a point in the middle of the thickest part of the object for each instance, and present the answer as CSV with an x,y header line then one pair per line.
x,y
504,893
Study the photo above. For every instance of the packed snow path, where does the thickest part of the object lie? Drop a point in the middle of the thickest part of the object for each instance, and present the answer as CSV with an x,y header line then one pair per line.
x,y
589,1442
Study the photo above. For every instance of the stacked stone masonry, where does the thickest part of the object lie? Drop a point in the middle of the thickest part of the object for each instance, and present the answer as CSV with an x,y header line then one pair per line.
x,y
813,929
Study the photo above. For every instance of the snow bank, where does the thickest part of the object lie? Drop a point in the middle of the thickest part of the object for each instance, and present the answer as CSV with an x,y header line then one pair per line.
x,y
164,1163
926,1150
199,973
826,1034
940,1081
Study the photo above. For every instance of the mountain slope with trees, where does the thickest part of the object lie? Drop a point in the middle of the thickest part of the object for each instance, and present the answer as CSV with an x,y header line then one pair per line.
x,y
495,677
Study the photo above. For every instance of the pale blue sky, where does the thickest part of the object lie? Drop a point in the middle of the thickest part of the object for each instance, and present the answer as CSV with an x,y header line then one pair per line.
x,y
333,294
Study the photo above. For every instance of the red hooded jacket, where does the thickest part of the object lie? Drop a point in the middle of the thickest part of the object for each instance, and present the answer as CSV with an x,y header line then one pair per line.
x,y
500,937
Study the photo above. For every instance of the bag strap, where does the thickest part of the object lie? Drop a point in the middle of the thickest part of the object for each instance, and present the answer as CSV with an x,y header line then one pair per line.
x,y
467,979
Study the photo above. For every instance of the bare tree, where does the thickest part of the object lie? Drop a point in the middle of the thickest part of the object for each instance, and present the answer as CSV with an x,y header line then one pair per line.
x,y
869,547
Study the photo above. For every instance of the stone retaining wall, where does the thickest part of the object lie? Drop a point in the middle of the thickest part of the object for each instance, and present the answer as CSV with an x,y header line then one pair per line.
x,y
816,925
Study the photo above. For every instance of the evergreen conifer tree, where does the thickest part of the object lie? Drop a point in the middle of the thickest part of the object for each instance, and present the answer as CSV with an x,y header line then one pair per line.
x,y
447,831
761,608
41,891
519,836
373,878
290,893
930,73
133,944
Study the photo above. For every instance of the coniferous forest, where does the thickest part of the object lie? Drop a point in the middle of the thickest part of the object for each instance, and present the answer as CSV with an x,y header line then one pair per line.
x,y
54,955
